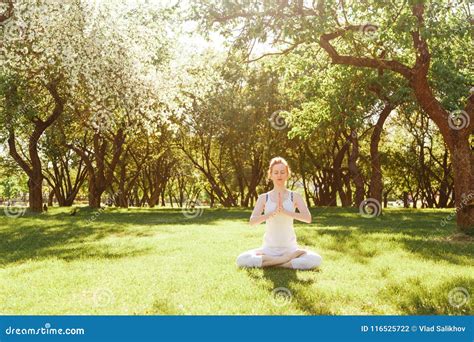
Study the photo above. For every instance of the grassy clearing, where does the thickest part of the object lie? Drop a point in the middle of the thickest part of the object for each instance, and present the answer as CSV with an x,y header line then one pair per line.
x,y
157,261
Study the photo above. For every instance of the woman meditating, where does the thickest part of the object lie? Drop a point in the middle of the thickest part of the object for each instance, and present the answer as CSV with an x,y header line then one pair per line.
x,y
279,242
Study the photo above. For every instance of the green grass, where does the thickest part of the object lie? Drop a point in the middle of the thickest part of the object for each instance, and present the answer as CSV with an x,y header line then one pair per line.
x,y
157,261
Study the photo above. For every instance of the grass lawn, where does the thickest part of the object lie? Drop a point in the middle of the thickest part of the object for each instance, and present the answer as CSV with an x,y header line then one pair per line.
x,y
158,261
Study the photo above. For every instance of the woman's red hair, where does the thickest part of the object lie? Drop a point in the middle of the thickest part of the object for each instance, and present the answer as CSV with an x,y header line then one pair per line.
x,y
277,160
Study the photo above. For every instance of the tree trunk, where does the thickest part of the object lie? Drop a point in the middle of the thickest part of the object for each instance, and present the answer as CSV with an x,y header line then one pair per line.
x,y
463,165
94,194
346,198
101,174
50,198
356,175
33,167
376,184
35,192
337,175
405,199
385,199
163,194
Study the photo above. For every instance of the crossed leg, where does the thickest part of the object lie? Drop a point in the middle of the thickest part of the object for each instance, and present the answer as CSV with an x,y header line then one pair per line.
x,y
300,259
269,260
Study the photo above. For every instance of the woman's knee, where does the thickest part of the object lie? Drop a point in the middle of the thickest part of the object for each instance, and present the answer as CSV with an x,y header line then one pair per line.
x,y
248,259
308,261
242,259
315,260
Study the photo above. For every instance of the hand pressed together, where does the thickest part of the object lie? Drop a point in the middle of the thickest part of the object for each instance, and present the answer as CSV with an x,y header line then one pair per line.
x,y
279,208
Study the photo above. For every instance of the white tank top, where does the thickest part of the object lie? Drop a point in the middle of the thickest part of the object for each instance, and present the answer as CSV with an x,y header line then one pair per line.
x,y
279,232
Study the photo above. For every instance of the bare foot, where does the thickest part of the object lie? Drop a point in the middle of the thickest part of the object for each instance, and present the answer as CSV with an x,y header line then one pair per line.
x,y
295,254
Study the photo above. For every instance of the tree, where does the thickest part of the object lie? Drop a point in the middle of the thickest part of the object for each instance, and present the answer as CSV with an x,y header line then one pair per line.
x,y
103,64
230,128
34,71
411,39
64,171
30,162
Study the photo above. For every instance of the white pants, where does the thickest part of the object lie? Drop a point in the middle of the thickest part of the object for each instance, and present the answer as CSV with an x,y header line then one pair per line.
x,y
306,261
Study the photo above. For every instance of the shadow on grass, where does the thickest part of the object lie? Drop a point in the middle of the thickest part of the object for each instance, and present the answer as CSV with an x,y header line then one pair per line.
x,y
406,221
413,297
67,241
58,234
346,241
164,216
454,253
46,235
419,233
362,247
295,291
163,307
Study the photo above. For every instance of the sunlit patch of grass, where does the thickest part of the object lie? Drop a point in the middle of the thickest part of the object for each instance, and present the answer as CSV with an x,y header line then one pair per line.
x,y
158,261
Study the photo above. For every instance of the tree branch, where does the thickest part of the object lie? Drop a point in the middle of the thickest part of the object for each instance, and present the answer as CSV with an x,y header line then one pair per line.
x,y
325,43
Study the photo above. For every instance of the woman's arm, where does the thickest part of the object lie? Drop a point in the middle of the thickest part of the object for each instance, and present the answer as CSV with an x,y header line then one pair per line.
x,y
257,217
303,215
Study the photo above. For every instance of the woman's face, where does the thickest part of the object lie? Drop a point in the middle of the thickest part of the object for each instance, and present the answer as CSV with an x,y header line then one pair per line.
x,y
279,174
